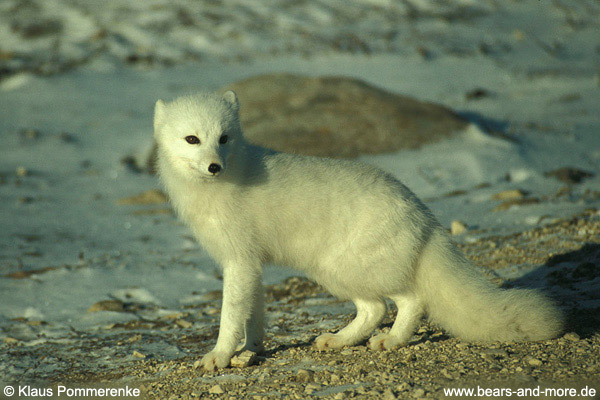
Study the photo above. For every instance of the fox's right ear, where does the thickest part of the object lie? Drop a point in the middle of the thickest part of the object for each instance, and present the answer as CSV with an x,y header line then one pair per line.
x,y
159,114
230,97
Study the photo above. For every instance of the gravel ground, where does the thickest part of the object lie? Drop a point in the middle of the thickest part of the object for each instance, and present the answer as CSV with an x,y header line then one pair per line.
x,y
563,257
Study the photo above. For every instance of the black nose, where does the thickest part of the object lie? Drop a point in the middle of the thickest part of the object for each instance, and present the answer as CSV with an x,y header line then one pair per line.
x,y
214,168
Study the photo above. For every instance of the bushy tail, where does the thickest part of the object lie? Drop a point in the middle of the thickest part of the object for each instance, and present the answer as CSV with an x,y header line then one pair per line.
x,y
468,306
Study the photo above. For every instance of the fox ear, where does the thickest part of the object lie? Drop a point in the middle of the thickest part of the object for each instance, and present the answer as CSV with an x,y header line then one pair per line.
x,y
159,113
230,97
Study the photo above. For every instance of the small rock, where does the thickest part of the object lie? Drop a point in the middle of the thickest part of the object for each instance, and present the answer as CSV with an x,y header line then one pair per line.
x,y
152,196
515,202
446,374
493,353
183,323
106,305
403,387
213,295
30,134
10,340
571,336
511,194
21,171
212,311
244,359
334,379
388,395
67,137
131,163
311,388
137,354
477,93
418,393
534,362
457,227
304,375
217,389
134,339
569,175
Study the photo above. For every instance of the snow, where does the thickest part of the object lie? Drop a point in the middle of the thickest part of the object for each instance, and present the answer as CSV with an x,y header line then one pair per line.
x,y
539,66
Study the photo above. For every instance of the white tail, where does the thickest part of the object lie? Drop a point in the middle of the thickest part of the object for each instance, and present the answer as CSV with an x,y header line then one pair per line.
x,y
468,306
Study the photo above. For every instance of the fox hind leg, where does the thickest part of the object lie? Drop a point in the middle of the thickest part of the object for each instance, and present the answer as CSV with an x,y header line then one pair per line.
x,y
410,311
369,314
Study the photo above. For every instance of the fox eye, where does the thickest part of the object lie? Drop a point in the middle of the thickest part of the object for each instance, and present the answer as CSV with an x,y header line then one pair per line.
x,y
192,139
223,139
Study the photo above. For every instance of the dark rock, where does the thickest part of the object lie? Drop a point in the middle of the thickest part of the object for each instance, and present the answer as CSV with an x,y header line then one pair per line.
x,y
337,116
569,175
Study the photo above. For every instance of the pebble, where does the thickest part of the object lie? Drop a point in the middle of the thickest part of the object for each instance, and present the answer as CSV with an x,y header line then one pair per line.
x,y
388,395
511,194
152,196
534,362
137,354
312,387
213,295
106,305
493,353
183,323
305,375
30,133
244,359
217,389
21,171
418,393
458,227
571,336
403,387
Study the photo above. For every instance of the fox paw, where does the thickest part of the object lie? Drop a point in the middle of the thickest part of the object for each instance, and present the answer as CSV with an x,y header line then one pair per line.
x,y
214,360
385,341
329,341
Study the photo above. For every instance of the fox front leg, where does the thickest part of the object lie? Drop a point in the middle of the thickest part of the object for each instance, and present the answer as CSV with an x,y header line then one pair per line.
x,y
241,293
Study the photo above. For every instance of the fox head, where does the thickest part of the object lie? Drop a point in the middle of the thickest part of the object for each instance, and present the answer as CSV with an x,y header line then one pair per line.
x,y
198,133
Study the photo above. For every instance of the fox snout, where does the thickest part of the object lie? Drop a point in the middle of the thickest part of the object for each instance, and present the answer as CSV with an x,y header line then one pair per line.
x,y
214,168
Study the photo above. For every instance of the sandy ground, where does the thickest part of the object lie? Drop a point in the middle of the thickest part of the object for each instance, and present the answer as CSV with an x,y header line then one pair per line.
x,y
563,260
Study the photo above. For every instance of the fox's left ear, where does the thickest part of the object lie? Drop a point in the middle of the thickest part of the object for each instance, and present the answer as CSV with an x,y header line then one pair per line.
x,y
230,97
159,113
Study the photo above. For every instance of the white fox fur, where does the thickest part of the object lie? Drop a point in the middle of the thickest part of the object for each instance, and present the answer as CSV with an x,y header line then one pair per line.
x,y
353,228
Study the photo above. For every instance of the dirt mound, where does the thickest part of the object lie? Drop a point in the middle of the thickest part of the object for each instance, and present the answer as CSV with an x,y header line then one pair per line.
x,y
337,116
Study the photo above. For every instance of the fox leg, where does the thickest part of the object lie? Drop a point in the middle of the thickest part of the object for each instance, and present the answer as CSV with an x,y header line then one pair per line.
x,y
369,314
254,331
242,284
409,314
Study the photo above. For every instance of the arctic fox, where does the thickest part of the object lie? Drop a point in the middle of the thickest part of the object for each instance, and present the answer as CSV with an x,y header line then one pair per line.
x,y
353,228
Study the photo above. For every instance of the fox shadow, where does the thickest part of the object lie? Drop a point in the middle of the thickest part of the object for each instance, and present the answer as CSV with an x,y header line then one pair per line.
x,y
572,279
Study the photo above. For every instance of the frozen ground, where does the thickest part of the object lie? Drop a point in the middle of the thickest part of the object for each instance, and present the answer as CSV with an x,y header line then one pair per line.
x,y
63,137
